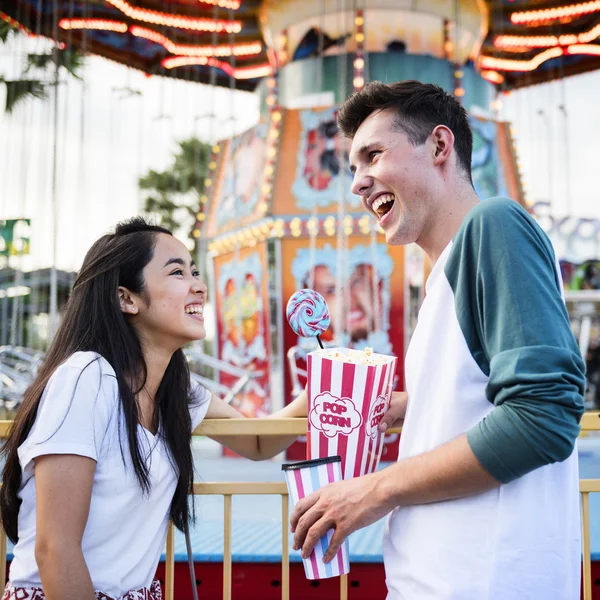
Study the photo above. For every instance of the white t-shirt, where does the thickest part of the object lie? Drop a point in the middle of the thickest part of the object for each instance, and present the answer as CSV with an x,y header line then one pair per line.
x,y
519,541
126,530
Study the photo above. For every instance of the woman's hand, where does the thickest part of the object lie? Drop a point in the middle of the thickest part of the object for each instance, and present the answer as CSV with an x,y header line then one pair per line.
x,y
394,416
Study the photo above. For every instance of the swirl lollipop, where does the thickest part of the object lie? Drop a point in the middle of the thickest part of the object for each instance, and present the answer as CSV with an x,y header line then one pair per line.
x,y
308,314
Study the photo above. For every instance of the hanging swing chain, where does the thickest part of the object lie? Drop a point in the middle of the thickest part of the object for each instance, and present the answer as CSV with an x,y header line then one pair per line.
x,y
342,239
314,217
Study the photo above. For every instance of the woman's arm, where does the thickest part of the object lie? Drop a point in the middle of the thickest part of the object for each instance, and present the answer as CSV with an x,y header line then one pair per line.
x,y
63,484
256,447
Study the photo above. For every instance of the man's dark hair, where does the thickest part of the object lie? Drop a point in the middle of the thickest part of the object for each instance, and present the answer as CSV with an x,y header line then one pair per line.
x,y
419,107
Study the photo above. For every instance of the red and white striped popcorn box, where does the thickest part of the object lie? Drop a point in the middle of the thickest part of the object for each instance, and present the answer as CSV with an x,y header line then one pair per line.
x,y
346,401
304,478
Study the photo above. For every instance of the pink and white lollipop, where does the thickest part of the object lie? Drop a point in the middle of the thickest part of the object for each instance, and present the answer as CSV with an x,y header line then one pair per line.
x,y
308,314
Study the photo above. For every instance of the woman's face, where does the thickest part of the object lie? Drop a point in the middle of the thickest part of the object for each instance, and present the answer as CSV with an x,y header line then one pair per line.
x,y
174,313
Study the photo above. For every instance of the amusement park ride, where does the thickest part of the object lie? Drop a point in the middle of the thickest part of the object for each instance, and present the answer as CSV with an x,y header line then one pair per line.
x,y
278,214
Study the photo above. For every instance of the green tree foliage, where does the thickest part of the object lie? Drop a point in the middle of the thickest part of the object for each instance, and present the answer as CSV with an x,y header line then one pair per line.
x,y
173,195
39,73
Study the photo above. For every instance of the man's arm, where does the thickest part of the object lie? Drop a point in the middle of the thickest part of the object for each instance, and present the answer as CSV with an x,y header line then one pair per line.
x,y
447,472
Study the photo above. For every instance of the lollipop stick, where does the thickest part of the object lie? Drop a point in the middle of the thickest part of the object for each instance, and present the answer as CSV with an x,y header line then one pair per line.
x,y
320,342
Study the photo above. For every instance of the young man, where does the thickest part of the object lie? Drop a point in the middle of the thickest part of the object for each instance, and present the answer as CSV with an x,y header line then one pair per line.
x,y
484,497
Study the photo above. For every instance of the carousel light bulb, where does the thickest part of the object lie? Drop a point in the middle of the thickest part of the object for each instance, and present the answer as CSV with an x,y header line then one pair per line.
x,y
270,101
212,165
196,233
448,47
458,74
266,189
276,116
274,134
358,82
492,76
359,63
360,38
459,92
272,152
216,149
208,182
203,199
359,21
201,217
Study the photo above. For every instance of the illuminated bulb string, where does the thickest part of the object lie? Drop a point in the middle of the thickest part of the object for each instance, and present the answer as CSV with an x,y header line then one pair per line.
x,y
559,12
545,41
502,64
171,20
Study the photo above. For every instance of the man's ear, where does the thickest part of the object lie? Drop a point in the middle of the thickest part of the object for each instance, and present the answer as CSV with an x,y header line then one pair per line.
x,y
443,143
127,301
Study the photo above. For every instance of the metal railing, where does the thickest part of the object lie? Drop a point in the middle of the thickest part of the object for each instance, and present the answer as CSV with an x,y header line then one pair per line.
x,y
236,427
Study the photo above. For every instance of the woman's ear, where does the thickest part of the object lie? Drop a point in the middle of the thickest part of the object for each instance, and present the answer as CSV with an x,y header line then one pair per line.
x,y
127,301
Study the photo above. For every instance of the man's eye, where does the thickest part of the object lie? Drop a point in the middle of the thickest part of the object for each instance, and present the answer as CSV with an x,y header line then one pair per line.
x,y
373,154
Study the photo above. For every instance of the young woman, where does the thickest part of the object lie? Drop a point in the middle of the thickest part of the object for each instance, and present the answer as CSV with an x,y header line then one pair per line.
x,y
99,456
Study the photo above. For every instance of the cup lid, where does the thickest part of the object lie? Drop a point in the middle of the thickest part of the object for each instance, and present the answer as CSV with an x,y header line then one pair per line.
x,y
315,462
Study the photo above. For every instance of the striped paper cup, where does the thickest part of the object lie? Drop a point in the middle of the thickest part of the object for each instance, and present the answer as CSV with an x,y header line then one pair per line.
x,y
345,404
304,478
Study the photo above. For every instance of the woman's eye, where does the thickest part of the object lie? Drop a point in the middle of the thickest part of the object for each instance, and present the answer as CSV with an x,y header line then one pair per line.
x,y
196,273
177,272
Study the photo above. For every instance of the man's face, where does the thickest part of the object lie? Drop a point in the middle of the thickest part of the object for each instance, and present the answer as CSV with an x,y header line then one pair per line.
x,y
392,177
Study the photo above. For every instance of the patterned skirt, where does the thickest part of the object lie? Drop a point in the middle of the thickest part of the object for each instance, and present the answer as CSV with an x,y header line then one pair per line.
x,y
18,593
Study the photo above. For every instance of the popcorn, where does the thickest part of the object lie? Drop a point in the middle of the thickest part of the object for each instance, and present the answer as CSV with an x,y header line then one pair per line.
x,y
355,357
348,393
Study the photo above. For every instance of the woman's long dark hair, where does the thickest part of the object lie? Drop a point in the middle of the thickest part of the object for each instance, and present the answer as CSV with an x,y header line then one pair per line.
x,y
93,321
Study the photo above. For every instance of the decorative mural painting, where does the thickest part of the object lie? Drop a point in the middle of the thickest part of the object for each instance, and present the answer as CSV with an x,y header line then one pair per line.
x,y
367,313
242,324
239,192
322,168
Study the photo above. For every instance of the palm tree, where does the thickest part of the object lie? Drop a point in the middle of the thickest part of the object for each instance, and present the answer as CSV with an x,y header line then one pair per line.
x,y
45,65
174,194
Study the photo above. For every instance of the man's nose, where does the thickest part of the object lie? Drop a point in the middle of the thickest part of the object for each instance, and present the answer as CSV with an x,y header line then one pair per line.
x,y
361,184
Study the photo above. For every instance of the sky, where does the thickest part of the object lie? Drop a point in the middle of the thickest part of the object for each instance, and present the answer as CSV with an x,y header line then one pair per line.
x,y
118,123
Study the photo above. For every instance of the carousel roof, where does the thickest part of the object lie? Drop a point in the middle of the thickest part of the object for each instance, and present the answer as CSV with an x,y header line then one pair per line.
x,y
528,41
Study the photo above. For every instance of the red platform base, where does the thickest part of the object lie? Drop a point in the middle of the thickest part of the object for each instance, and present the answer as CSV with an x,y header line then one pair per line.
x,y
262,581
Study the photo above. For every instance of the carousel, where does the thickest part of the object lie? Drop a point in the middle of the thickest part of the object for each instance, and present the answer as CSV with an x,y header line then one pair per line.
x,y
277,213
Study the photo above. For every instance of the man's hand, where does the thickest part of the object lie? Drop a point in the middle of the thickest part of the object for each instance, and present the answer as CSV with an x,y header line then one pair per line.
x,y
394,416
344,506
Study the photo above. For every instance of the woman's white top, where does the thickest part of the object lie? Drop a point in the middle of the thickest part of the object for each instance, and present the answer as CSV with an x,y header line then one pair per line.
x,y
126,529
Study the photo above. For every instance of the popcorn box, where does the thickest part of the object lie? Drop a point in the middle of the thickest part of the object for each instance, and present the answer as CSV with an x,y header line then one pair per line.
x,y
304,478
348,393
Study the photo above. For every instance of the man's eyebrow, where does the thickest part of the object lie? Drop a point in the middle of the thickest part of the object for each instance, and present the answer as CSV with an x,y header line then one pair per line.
x,y
362,151
178,261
